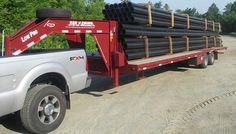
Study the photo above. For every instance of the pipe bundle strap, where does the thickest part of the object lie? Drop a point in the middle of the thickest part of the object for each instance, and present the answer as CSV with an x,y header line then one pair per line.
x,y
206,24
170,44
146,44
149,14
206,42
172,19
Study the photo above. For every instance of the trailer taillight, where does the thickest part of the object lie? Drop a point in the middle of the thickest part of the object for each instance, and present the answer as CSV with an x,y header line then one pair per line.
x,y
111,36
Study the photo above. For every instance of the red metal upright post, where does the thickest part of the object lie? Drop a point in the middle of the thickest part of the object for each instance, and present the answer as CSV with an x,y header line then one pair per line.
x,y
114,49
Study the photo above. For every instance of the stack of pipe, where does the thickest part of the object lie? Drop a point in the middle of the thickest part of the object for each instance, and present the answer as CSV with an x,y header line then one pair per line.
x,y
134,47
139,30
144,29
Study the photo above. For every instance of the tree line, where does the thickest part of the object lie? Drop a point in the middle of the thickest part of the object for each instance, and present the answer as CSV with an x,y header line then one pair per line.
x,y
227,18
15,13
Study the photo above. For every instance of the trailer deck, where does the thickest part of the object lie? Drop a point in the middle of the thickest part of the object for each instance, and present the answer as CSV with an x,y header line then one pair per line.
x,y
161,58
149,63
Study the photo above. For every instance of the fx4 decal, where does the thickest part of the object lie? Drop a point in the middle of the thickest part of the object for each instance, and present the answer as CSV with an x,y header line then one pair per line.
x,y
76,58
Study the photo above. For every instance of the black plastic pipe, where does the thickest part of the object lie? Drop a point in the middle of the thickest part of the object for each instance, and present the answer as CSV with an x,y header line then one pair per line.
x,y
136,33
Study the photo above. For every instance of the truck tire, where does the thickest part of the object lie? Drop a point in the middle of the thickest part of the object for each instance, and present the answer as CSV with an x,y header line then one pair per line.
x,y
44,109
53,13
204,62
211,58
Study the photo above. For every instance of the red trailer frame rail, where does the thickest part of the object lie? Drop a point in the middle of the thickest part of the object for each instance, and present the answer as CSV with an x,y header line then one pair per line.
x,y
110,61
34,32
145,64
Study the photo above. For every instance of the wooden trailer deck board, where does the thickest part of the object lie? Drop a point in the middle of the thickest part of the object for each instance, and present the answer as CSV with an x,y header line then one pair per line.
x,y
160,58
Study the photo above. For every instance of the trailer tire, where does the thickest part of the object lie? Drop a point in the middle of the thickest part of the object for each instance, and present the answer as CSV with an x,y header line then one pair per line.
x,y
44,109
211,58
204,62
53,13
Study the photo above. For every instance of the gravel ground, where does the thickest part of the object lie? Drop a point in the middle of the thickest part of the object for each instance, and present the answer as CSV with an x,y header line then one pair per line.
x,y
172,100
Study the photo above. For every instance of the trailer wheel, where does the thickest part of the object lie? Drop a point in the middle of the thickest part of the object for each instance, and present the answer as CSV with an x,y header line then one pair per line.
x,y
211,58
204,62
44,109
53,13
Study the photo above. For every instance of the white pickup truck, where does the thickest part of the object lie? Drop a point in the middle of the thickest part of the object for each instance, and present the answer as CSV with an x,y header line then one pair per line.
x,y
39,86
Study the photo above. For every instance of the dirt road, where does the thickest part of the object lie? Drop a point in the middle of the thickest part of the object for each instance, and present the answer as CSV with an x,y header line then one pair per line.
x,y
176,100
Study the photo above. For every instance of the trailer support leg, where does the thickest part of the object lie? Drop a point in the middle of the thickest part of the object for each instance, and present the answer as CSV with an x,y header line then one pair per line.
x,y
116,77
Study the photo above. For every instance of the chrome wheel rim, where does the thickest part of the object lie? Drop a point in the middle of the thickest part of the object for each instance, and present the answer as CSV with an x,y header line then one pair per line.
x,y
49,109
212,58
206,61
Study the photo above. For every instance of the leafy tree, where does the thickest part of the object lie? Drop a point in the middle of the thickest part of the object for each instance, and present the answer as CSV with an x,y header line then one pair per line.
x,y
213,13
233,7
87,9
158,4
125,0
227,8
166,7
229,22
94,9
179,11
15,13
190,11
10,19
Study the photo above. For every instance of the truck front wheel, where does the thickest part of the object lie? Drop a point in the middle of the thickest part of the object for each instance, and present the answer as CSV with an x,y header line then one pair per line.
x,y
44,109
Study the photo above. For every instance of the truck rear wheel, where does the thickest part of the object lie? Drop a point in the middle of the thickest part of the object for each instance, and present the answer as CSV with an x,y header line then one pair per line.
x,y
204,62
211,58
44,109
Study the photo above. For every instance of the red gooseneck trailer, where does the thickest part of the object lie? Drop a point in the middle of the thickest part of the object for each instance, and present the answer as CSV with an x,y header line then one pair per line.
x,y
110,60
